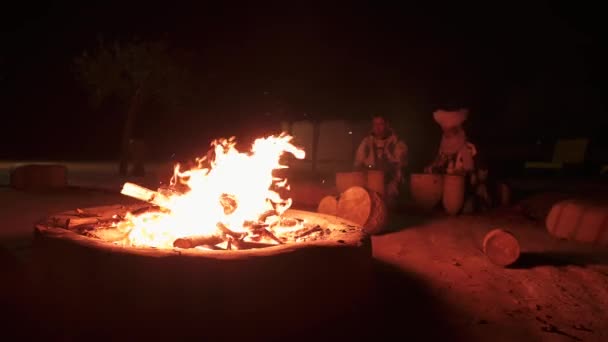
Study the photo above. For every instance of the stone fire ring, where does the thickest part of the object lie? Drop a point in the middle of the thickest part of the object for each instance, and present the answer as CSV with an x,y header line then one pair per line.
x,y
96,286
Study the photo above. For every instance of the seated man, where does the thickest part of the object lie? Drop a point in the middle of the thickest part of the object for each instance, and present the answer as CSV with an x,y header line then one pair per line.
x,y
382,150
458,156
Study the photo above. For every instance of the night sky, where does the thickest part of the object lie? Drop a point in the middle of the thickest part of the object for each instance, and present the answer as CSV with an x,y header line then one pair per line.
x,y
525,72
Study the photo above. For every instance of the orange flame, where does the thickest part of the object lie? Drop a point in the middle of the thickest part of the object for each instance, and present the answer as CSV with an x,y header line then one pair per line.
x,y
236,188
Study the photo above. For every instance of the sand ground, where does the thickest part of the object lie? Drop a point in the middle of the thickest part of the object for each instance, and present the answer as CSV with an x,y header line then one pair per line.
x,y
434,280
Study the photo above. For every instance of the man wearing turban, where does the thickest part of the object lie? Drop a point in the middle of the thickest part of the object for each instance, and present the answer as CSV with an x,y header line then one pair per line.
x,y
458,156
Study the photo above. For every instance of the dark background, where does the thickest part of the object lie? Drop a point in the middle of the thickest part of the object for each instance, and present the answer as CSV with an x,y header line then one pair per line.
x,y
527,73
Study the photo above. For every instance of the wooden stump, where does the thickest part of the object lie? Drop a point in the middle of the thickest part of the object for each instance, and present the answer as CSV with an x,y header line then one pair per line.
x,y
328,205
363,207
501,247
346,180
579,220
39,177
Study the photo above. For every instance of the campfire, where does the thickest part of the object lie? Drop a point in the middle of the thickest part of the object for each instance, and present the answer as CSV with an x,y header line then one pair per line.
x,y
220,245
231,201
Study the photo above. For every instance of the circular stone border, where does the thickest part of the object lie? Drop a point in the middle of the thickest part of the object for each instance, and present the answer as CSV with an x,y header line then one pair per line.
x,y
98,286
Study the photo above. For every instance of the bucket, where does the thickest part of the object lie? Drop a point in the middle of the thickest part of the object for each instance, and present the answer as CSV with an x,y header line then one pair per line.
x,y
426,189
453,193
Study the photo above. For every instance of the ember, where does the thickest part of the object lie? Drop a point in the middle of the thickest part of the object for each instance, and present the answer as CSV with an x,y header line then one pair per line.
x,y
232,203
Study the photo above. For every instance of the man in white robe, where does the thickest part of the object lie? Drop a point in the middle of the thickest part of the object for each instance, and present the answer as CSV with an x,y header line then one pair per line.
x,y
382,150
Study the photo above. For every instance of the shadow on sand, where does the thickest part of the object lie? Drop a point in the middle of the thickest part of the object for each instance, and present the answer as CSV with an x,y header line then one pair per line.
x,y
404,307
13,296
407,216
535,259
399,307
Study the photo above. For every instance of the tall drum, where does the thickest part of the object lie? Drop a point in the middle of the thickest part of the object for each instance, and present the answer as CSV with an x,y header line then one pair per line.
x,y
426,189
453,193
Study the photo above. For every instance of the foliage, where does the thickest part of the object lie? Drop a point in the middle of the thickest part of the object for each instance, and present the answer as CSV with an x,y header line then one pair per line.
x,y
121,68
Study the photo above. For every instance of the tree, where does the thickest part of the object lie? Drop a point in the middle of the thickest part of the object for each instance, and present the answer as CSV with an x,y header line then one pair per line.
x,y
135,72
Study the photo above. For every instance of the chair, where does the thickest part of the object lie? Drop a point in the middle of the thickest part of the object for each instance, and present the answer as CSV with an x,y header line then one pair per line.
x,y
565,152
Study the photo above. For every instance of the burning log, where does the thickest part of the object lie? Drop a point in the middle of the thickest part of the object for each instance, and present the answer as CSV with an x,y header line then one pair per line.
x,y
82,222
241,244
227,231
195,241
289,222
314,229
82,213
146,209
229,203
144,194
267,214
255,226
271,235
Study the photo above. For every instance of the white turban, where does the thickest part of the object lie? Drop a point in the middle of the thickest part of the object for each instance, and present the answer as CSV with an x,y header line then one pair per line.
x,y
448,119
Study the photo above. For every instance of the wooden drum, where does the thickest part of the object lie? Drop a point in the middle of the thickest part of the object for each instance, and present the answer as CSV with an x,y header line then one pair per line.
x,y
363,207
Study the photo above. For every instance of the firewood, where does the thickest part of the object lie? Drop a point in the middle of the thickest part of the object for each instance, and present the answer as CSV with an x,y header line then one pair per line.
x,y
255,237
146,209
194,241
229,244
229,203
241,244
267,214
81,221
288,222
82,213
144,194
271,235
309,231
255,225
107,234
222,227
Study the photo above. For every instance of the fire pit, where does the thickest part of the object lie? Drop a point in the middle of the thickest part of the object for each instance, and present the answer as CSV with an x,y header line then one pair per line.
x,y
276,289
230,267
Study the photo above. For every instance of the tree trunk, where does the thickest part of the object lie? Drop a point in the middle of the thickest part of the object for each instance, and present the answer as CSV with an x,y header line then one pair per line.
x,y
127,132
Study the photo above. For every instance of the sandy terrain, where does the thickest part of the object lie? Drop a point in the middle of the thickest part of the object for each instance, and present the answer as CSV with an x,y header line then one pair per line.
x,y
559,291
433,280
